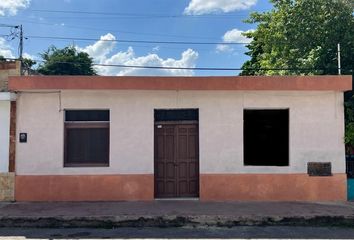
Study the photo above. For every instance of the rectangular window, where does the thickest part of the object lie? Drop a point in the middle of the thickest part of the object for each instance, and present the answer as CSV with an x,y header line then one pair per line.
x,y
86,142
266,137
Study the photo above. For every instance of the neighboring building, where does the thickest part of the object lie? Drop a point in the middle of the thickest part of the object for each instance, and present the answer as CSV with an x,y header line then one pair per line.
x,y
7,125
213,138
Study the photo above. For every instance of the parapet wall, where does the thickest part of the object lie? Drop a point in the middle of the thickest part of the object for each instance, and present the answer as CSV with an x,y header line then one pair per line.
x,y
7,69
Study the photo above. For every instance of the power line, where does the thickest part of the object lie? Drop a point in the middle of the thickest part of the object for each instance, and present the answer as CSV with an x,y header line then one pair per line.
x,y
192,68
122,42
9,26
112,30
138,14
15,31
140,41
150,47
209,68
168,68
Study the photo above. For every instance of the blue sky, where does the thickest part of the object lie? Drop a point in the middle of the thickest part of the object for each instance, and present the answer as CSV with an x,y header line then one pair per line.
x,y
155,20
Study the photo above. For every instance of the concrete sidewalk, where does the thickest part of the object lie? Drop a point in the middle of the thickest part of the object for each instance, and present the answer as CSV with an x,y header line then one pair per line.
x,y
175,213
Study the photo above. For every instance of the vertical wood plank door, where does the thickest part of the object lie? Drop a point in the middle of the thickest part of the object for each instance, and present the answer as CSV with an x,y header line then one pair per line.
x,y
176,160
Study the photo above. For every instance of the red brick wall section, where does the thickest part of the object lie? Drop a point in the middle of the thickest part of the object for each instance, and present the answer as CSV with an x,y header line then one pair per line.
x,y
5,65
8,69
12,149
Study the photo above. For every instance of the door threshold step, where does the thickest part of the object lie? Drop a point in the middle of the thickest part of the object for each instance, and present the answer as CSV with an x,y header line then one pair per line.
x,y
177,199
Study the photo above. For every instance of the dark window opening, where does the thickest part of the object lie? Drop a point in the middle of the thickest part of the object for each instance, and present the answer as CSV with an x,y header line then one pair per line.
x,y
87,115
266,137
176,115
86,138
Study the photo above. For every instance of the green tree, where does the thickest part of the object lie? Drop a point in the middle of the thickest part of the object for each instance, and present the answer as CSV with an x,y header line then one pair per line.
x,y
349,126
66,61
28,63
301,34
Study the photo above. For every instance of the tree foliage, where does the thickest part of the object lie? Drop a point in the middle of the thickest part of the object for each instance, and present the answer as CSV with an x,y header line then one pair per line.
x,y
301,34
349,126
28,63
66,61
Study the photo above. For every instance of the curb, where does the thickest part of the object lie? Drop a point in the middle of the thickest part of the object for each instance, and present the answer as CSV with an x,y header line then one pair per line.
x,y
173,221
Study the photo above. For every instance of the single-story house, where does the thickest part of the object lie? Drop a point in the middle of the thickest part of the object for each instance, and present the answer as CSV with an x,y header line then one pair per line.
x,y
94,138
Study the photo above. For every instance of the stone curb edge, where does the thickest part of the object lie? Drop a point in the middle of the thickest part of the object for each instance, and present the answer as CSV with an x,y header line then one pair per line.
x,y
171,221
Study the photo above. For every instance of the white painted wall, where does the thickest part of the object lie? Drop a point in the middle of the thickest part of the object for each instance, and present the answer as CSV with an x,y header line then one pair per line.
x,y
4,135
316,128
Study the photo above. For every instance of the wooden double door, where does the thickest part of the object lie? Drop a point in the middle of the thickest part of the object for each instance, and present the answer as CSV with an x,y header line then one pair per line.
x,y
176,160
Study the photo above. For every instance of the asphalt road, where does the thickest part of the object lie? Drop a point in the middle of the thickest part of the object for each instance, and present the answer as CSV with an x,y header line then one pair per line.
x,y
236,232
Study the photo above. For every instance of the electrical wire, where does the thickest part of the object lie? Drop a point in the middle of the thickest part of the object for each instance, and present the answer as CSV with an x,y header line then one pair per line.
x,y
191,68
137,14
9,26
113,30
138,41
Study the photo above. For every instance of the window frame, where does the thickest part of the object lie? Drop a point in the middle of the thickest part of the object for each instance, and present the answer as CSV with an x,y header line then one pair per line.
x,y
85,124
288,132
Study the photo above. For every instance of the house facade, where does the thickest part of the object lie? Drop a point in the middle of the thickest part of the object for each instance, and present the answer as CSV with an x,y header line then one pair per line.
x,y
7,130
209,138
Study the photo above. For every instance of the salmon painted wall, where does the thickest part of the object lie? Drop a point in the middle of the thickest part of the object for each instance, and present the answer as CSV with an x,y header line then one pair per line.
x,y
275,187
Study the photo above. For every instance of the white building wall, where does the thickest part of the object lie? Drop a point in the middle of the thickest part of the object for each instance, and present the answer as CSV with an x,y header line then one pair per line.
x,y
4,135
316,129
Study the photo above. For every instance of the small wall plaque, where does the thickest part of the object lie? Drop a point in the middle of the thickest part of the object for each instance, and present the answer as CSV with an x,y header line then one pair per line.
x,y
319,169
23,137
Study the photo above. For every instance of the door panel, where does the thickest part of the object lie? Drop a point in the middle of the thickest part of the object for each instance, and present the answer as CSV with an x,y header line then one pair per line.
x,y
187,160
176,160
165,174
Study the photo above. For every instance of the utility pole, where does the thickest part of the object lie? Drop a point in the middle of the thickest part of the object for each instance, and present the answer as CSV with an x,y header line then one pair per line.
x,y
21,43
14,35
338,58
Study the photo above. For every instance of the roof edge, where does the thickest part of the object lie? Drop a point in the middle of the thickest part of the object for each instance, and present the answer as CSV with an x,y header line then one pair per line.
x,y
320,83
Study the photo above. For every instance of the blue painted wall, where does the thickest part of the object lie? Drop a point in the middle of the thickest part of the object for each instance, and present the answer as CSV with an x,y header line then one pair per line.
x,y
350,182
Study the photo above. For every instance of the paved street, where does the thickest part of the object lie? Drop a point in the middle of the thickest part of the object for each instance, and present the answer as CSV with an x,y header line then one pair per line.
x,y
177,207
175,214
236,232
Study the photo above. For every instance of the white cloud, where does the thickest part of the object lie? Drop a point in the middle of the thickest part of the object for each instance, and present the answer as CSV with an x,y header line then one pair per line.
x,y
10,7
101,52
199,7
5,49
233,36
29,56
100,49
188,59
223,48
